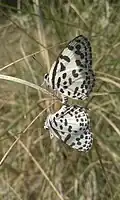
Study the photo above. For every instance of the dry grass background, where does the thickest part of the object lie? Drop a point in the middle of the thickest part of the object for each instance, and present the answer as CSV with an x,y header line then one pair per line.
x,y
33,167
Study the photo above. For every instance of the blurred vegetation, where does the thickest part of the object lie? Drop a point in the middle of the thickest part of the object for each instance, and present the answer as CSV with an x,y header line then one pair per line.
x,y
32,33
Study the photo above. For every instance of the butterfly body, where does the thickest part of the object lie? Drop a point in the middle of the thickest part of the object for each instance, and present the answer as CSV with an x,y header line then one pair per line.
x,y
71,124
71,74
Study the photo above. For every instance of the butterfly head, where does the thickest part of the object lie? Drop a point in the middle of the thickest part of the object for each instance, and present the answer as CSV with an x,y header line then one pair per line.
x,y
46,79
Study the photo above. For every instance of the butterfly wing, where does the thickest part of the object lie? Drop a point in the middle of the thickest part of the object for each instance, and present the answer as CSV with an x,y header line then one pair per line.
x,y
71,125
72,73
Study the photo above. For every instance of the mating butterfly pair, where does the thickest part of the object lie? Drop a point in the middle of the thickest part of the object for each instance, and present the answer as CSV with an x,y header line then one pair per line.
x,y
72,76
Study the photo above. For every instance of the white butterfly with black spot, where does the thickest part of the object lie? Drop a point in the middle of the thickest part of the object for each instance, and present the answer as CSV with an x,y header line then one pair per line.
x,y
71,74
71,124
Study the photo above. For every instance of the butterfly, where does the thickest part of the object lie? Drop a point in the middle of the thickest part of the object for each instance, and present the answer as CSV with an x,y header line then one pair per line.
x,y
71,74
71,124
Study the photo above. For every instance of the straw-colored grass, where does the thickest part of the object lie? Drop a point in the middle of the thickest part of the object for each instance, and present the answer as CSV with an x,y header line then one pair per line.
x,y
31,165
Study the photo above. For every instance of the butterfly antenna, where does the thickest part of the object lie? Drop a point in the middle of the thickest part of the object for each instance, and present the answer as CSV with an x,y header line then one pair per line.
x,y
37,60
42,83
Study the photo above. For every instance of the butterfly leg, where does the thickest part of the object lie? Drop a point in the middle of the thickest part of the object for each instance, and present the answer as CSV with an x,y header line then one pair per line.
x,y
51,134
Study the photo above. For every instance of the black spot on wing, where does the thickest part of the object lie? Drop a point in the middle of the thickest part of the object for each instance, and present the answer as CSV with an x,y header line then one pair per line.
x,y
62,67
62,133
66,123
71,116
57,114
81,136
62,113
65,86
66,58
58,82
78,94
70,81
64,75
84,82
72,144
81,69
78,62
70,47
82,119
76,89
54,130
75,131
65,83
82,86
74,73
75,107
78,40
81,55
76,112
54,121
61,127
81,148
78,143
78,46
77,52
86,87
70,128
67,138
61,90
54,74
85,133
69,93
